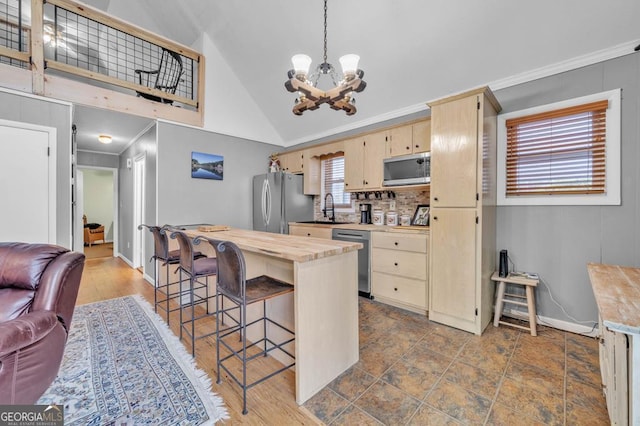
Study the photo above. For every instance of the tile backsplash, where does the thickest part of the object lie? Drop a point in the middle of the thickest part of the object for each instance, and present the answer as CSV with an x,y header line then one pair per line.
x,y
406,203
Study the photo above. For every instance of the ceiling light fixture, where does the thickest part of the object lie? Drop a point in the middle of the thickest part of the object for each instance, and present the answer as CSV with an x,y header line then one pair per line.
x,y
104,139
310,96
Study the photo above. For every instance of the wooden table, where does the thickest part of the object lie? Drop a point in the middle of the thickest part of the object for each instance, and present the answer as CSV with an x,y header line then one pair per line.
x,y
617,293
323,309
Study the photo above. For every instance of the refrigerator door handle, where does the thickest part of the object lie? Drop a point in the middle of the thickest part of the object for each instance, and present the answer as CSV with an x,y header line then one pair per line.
x,y
266,202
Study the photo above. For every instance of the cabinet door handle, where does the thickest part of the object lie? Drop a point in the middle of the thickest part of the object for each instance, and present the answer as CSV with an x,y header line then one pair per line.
x,y
408,148
435,198
417,146
396,243
435,218
395,289
308,234
395,263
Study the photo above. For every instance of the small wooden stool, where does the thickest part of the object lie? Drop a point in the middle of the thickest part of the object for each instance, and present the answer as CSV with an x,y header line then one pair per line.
x,y
501,299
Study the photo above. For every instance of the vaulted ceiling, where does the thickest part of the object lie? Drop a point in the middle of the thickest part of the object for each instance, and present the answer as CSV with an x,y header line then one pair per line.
x,y
412,51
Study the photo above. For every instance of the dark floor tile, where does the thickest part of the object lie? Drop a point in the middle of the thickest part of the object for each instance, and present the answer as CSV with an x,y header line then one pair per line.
x,y
387,403
448,344
586,372
520,397
326,405
592,416
504,416
545,353
352,383
377,356
587,396
355,416
537,378
427,360
459,403
429,416
488,356
483,382
414,378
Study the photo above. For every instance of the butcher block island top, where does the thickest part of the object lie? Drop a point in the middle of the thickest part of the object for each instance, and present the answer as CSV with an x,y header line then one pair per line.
x,y
617,293
297,249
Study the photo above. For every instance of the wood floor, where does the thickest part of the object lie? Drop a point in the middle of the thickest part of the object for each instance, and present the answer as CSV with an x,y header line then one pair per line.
x,y
269,403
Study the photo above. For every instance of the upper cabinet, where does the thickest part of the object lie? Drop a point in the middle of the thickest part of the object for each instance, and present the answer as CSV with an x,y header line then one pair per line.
x,y
410,138
292,162
363,162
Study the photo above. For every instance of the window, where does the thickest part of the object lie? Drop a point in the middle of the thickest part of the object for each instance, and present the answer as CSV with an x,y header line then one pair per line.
x,y
561,154
333,181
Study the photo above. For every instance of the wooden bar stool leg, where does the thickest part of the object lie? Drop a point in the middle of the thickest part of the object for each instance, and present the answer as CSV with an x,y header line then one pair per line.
x,y
499,303
531,305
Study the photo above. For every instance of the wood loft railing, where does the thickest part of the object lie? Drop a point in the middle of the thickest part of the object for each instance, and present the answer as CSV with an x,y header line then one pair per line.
x,y
71,51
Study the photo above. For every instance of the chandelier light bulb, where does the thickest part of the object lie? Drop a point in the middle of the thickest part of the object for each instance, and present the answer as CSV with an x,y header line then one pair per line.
x,y
301,64
349,64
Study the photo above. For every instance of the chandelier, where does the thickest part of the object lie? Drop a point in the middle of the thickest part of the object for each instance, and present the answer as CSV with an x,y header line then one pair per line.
x,y
310,96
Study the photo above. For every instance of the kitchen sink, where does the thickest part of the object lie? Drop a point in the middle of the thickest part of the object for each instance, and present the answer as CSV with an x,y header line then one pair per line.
x,y
325,222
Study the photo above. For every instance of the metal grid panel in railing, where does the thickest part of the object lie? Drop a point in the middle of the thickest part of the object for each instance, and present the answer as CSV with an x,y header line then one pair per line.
x,y
93,46
14,33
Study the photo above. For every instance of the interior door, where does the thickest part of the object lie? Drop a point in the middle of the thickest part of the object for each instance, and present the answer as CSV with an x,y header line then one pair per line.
x,y
27,183
138,211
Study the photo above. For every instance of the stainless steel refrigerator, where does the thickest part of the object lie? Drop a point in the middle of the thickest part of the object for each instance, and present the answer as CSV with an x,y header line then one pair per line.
x,y
278,199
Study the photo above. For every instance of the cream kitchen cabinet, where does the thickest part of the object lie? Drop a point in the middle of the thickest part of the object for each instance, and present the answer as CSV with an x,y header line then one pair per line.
x,y
292,162
410,139
463,212
399,269
303,230
363,162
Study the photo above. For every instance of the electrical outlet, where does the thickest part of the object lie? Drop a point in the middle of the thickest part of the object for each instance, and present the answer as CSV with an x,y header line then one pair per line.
x,y
392,204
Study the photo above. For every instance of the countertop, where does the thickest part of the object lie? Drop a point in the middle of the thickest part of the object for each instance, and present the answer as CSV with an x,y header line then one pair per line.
x,y
617,293
297,249
357,226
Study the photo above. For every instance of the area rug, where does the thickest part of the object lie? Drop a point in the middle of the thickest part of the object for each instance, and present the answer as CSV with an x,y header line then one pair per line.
x,y
122,365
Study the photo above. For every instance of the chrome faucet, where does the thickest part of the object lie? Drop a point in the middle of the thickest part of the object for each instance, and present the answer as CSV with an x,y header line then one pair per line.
x,y
332,217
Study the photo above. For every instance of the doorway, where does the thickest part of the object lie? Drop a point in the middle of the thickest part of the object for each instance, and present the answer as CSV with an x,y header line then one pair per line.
x,y
138,210
28,182
97,200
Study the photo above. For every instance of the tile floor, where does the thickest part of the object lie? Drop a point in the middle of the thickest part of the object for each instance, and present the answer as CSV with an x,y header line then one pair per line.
x,y
416,372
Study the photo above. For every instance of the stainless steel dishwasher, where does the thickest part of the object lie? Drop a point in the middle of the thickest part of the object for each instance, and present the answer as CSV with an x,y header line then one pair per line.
x,y
357,236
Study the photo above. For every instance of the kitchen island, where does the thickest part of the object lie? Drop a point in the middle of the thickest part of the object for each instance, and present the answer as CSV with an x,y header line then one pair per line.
x,y
323,309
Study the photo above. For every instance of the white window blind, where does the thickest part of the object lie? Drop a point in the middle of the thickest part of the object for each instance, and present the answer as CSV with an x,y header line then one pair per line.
x,y
557,152
333,180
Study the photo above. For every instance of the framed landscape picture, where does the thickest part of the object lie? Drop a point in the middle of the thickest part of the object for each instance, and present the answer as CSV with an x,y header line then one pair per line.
x,y
421,216
207,166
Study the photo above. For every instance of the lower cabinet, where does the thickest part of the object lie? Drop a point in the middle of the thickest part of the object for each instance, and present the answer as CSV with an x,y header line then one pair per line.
x,y
399,271
614,367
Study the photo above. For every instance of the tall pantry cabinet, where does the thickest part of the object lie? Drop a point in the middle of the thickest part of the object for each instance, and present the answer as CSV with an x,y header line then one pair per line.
x,y
463,209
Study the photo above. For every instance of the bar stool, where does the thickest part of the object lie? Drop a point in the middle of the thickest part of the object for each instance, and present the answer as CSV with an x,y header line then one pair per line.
x,y
233,285
196,269
515,299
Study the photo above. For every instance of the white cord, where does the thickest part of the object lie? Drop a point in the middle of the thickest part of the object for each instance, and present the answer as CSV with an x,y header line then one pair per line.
x,y
554,300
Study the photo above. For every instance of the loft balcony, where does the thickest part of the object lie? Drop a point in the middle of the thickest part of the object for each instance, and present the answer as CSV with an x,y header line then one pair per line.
x,y
70,51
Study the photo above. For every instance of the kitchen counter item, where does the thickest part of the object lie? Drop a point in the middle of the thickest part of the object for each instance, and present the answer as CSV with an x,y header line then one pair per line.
x,y
378,217
392,219
405,220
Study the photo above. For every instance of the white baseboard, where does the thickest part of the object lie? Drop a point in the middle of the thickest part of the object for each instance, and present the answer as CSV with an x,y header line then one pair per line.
x,y
127,261
555,323
148,278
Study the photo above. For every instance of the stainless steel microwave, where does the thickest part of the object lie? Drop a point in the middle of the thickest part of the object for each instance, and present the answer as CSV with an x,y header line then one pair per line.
x,y
413,169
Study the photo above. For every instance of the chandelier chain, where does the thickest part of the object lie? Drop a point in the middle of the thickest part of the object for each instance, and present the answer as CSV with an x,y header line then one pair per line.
x,y
325,31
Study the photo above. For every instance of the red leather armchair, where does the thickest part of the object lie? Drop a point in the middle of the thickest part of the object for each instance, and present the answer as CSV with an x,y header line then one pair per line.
x,y
38,290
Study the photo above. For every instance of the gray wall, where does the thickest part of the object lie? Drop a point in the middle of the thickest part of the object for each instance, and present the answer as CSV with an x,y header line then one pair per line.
x,y
52,114
558,242
96,159
144,144
183,200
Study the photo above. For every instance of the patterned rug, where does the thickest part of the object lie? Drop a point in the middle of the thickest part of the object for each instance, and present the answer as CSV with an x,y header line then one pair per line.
x,y
123,365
